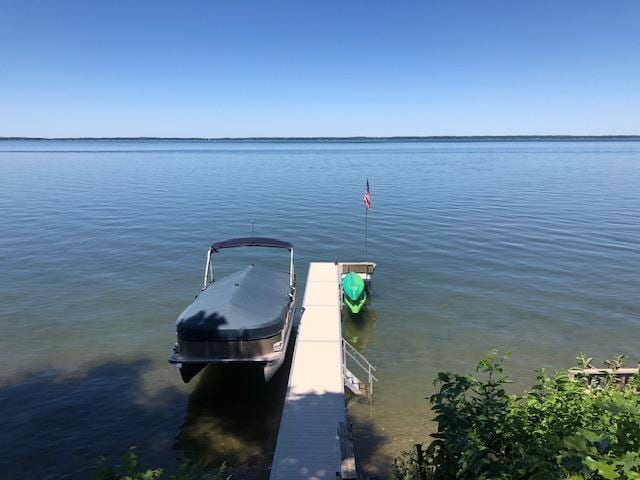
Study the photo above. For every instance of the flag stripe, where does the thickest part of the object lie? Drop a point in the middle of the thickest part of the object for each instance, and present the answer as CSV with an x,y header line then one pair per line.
x,y
367,197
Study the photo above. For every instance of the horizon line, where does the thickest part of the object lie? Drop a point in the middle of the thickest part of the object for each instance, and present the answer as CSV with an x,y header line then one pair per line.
x,y
531,137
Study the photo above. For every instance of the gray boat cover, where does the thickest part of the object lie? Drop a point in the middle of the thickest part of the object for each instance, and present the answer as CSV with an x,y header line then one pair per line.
x,y
247,305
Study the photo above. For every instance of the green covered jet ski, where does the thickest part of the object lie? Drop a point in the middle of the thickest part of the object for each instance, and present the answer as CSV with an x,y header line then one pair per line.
x,y
355,294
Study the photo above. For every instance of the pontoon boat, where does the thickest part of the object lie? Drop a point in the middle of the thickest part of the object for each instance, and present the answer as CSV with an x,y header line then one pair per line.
x,y
243,318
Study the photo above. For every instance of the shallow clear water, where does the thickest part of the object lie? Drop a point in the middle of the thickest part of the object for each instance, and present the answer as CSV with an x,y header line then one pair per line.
x,y
530,247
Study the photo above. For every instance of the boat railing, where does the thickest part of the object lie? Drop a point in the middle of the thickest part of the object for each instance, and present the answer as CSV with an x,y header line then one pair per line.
x,y
349,352
208,269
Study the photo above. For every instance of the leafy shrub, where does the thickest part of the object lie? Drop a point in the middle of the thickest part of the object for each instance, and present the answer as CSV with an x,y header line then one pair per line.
x,y
561,429
131,470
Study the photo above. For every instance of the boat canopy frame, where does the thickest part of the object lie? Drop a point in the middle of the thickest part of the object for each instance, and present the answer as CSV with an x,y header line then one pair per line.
x,y
247,242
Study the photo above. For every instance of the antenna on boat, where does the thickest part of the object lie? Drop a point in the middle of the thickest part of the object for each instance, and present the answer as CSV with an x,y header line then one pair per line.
x,y
252,228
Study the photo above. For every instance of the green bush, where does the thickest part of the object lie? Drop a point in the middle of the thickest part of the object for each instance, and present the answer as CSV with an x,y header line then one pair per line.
x,y
131,470
560,429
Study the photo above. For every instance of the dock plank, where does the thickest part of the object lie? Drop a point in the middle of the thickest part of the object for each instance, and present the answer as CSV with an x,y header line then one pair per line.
x,y
308,444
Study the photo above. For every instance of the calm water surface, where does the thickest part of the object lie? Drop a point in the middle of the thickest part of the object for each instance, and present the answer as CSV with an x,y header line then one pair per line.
x,y
532,248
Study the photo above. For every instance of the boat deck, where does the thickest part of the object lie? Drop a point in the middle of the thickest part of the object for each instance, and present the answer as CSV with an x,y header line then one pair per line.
x,y
308,445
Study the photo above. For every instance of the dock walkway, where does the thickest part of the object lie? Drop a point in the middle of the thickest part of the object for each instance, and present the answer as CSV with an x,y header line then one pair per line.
x,y
308,445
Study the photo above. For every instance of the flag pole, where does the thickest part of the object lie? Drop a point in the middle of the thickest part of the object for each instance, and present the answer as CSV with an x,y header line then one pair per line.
x,y
366,218
367,205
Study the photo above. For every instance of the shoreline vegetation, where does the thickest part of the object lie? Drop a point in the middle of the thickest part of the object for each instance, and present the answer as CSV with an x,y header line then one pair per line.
x,y
444,138
130,468
569,425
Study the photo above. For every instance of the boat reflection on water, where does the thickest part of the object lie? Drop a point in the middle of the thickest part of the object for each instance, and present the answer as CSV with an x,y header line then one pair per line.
x,y
233,416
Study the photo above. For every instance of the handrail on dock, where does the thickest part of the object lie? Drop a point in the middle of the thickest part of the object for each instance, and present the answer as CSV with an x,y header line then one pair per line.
x,y
350,351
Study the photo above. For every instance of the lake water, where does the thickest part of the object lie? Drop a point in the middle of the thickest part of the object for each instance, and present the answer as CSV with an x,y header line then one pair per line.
x,y
529,247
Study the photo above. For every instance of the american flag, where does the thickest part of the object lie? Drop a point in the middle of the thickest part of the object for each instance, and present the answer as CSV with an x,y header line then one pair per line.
x,y
367,197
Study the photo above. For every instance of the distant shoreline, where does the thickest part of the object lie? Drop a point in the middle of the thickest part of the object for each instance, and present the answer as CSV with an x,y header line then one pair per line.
x,y
447,138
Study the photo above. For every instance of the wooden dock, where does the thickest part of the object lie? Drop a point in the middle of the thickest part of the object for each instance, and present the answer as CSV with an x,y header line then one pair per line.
x,y
314,440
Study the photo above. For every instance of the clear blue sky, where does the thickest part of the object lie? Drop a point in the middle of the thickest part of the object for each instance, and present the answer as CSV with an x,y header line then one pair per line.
x,y
335,68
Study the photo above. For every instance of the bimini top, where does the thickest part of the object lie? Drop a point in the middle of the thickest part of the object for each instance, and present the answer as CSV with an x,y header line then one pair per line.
x,y
251,242
247,305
